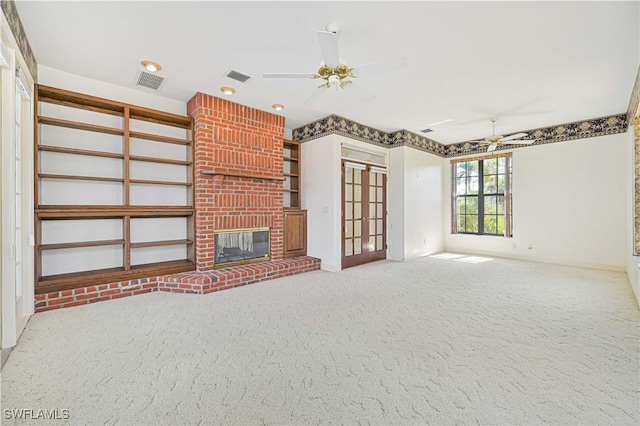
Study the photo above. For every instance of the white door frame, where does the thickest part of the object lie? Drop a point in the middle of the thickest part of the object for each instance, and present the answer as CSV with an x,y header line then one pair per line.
x,y
15,312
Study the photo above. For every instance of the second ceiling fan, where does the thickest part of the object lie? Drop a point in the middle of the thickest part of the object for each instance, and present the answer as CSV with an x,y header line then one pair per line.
x,y
337,74
495,140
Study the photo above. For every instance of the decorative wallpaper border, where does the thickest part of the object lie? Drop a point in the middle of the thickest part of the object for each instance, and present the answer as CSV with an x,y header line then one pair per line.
x,y
13,19
336,125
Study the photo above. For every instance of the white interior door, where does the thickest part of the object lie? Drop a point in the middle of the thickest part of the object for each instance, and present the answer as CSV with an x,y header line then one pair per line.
x,y
16,156
17,246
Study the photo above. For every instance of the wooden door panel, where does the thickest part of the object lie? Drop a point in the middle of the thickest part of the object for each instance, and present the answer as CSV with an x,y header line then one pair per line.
x,y
363,215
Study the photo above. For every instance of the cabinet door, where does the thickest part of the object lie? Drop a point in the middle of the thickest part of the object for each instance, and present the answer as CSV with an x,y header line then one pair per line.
x,y
295,233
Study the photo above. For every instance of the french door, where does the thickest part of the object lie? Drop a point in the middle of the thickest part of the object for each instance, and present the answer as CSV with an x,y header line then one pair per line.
x,y
364,206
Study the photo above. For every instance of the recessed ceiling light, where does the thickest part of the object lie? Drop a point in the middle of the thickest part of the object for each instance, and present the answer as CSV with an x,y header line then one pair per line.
x,y
151,66
441,122
228,90
277,107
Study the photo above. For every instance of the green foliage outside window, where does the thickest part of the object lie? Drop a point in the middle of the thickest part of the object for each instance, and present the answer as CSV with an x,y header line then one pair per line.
x,y
482,191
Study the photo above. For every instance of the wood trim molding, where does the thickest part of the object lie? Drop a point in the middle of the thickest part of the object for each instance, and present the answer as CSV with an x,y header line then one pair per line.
x,y
243,175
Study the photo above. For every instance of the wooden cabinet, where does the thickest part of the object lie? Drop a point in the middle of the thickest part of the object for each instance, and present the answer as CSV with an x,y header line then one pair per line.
x,y
295,219
295,232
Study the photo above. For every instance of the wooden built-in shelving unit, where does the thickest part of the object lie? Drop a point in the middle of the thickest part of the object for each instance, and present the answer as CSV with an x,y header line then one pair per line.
x,y
295,219
131,211
291,173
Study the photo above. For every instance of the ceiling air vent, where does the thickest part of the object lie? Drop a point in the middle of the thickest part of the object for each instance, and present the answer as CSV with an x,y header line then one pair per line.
x,y
149,80
426,130
238,76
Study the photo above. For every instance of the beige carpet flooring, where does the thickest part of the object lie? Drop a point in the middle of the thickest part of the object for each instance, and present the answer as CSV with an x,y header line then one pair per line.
x,y
429,341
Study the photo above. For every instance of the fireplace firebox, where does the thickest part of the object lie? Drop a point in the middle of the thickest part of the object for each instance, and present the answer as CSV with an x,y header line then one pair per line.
x,y
237,246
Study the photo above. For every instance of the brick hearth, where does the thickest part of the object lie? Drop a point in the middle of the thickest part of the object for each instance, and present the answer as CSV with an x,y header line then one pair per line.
x,y
236,276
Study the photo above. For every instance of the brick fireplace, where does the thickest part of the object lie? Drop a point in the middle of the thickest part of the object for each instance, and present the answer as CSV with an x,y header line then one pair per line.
x,y
238,169
238,181
230,140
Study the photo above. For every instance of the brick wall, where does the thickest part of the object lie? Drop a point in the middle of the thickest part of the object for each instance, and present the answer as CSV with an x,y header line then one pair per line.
x,y
230,137
92,294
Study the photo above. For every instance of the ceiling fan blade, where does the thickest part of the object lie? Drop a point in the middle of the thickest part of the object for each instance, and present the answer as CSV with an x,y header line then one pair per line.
x,y
289,75
519,142
516,136
360,92
329,47
380,66
315,95
492,147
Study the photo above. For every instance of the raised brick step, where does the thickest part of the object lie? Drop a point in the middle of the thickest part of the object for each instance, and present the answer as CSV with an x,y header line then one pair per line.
x,y
186,282
236,276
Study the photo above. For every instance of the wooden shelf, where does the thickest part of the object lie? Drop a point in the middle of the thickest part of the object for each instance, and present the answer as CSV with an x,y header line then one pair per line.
x,y
159,138
244,175
161,243
159,160
159,182
166,118
73,177
77,151
80,244
291,163
80,126
82,101
78,212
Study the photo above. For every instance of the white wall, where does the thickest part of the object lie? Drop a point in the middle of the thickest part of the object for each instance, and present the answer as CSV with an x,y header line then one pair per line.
x,y
416,197
321,198
140,97
396,204
423,200
569,203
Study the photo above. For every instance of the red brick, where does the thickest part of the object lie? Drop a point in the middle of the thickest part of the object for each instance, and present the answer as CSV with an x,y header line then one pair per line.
x,y
87,296
60,300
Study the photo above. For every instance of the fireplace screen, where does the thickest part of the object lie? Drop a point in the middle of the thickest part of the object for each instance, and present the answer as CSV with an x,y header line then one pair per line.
x,y
241,245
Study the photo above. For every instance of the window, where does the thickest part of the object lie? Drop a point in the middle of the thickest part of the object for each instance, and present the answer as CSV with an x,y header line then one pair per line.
x,y
482,196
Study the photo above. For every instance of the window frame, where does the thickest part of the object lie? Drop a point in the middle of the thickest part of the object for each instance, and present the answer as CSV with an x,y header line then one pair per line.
x,y
480,195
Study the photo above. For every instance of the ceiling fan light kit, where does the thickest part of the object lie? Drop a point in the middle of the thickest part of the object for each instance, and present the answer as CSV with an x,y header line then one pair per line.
x,y
337,74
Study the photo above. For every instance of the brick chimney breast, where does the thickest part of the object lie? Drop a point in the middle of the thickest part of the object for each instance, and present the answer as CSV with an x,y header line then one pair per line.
x,y
234,138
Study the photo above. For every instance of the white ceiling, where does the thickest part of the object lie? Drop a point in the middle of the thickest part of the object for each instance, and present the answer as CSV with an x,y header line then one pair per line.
x,y
530,64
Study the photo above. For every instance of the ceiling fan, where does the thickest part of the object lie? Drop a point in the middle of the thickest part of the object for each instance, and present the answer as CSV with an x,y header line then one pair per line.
x,y
337,74
495,140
